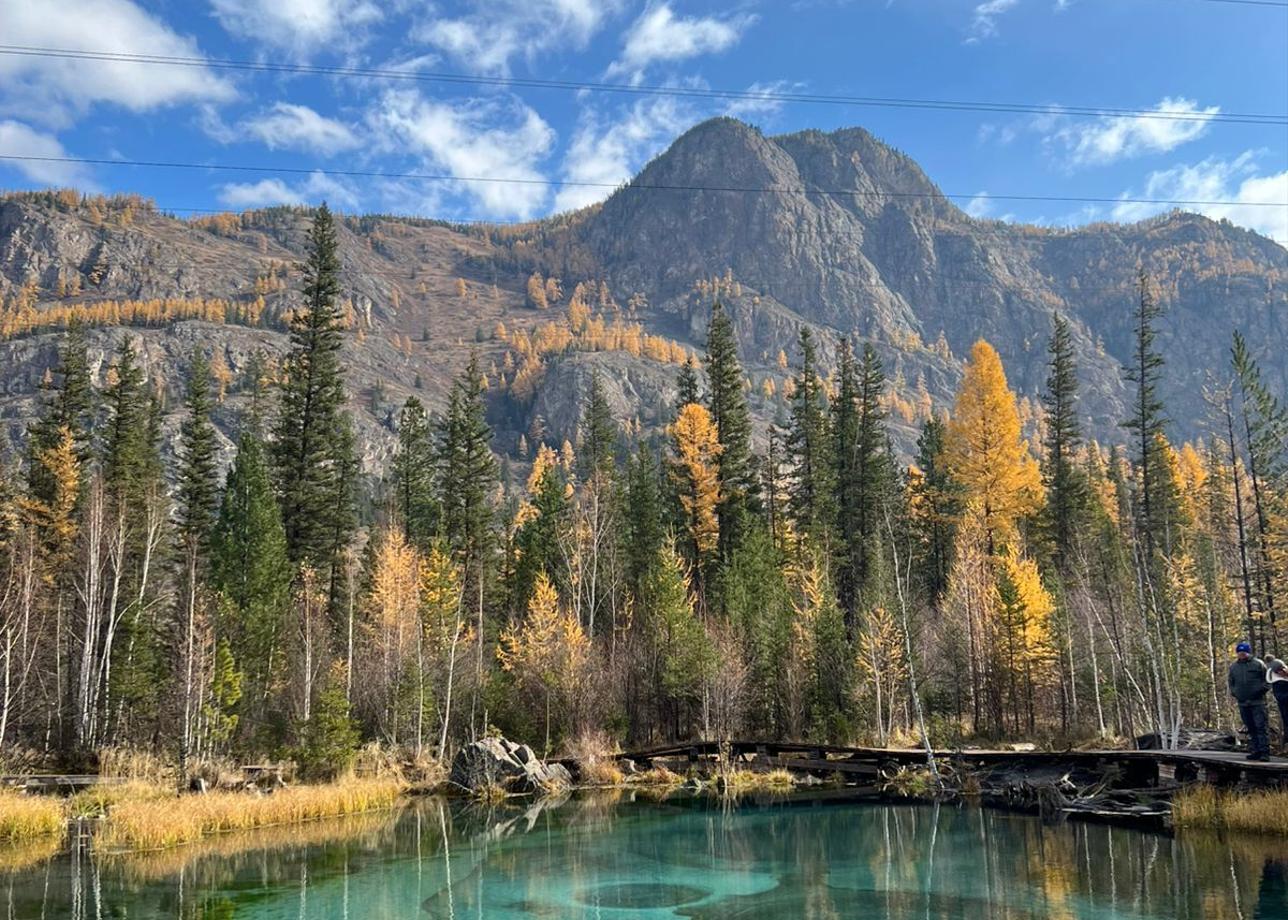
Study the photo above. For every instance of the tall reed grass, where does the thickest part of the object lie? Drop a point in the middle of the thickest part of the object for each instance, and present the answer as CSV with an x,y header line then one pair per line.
x,y
153,824
1261,811
28,817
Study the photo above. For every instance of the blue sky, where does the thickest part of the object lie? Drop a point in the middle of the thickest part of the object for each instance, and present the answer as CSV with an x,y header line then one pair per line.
x,y
1210,59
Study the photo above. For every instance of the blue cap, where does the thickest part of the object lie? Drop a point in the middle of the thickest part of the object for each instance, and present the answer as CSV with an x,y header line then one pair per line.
x,y
1243,647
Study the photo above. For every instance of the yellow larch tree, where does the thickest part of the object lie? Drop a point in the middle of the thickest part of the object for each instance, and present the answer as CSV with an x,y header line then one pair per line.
x,y
986,450
696,473
548,652
394,628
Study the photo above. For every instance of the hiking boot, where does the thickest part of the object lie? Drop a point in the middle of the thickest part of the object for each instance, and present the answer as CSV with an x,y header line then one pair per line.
x,y
1262,758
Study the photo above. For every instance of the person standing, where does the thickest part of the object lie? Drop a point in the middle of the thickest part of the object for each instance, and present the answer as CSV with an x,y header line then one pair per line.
x,y
1247,682
1277,677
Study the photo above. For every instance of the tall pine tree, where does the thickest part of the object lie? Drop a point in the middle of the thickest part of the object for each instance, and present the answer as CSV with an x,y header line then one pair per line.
x,y
313,445
808,452
739,482
1064,478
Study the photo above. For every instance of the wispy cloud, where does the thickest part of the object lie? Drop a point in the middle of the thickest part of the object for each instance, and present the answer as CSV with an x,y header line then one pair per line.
x,y
494,32
318,187
984,18
55,91
17,139
1237,181
658,35
608,151
497,138
1171,123
298,127
299,26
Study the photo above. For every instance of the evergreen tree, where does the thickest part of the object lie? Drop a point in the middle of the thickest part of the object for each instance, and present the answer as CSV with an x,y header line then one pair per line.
x,y
757,603
70,404
198,486
597,434
313,446
537,542
125,437
687,384
680,651
250,567
934,509
808,452
862,473
1146,423
414,476
643,533
1065,482
739,483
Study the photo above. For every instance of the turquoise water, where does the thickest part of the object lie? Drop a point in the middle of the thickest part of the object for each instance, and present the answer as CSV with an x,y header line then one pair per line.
x,y
616,857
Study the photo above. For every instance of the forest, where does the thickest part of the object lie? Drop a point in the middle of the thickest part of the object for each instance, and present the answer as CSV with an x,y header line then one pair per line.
x,y
1015,580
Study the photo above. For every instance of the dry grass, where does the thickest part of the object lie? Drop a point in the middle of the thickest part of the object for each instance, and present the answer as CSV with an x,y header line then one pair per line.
x,y
741,782
97,799
30,817
657,776
1258,811
133,764
602,773
159,823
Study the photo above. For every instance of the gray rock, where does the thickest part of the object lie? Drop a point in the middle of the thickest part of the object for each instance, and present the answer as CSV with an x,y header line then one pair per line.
x,y
497,762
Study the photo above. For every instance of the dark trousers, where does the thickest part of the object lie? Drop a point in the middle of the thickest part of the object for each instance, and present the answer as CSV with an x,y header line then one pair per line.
x,y
1257,721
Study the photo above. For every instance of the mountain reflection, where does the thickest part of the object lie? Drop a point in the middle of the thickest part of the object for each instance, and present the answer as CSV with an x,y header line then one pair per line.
x,y
612,856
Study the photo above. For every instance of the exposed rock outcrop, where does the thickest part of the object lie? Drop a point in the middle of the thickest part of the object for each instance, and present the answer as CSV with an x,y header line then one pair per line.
x,y
492,763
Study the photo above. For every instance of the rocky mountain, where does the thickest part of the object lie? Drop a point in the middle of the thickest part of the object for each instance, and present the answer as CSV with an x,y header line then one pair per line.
x,y
838,231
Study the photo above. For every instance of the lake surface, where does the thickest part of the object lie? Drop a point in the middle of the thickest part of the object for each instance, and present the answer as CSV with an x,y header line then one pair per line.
x,y
619,856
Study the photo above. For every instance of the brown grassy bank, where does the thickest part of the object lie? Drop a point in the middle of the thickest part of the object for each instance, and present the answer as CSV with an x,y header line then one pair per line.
x,y
1259,811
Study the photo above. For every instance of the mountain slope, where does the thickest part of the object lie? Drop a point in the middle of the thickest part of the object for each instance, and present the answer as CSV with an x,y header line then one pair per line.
x,y
838,231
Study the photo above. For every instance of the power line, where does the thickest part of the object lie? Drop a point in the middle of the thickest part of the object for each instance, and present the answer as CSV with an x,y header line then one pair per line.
x,y
1249,118
629,186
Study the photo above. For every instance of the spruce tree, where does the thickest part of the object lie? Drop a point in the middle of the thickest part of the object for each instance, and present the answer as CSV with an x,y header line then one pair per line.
x,y
597,433
739,483
688,385
807,448
125,436
935,508
313,445
250,566
1065,482
198,486
413,475
1146,424
70,403
861,473
644,533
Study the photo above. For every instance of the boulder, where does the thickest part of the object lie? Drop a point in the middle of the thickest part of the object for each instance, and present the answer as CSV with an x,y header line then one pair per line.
x,y
499,762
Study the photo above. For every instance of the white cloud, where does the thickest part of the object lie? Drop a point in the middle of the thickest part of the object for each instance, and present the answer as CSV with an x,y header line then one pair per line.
x,y
17,139
300,26
658,35
1236,181
761,100
984,19
480,139
984,207
1120,137
298,127
318,187
54,90
495,31
608,153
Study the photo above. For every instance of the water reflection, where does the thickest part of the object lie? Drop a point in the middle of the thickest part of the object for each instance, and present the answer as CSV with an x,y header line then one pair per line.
x,y
612,856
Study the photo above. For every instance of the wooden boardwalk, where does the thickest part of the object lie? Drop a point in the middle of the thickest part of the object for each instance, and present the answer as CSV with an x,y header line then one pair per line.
x,y
1145,768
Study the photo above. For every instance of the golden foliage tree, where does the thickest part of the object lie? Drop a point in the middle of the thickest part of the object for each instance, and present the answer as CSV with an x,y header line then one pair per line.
x,y
987,452
696,473
549,652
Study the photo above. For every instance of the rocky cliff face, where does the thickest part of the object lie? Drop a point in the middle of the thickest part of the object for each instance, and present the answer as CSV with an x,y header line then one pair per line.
x,y
838,231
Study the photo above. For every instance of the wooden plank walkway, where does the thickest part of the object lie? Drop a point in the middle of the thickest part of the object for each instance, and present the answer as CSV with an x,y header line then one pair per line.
x,y
1220,767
